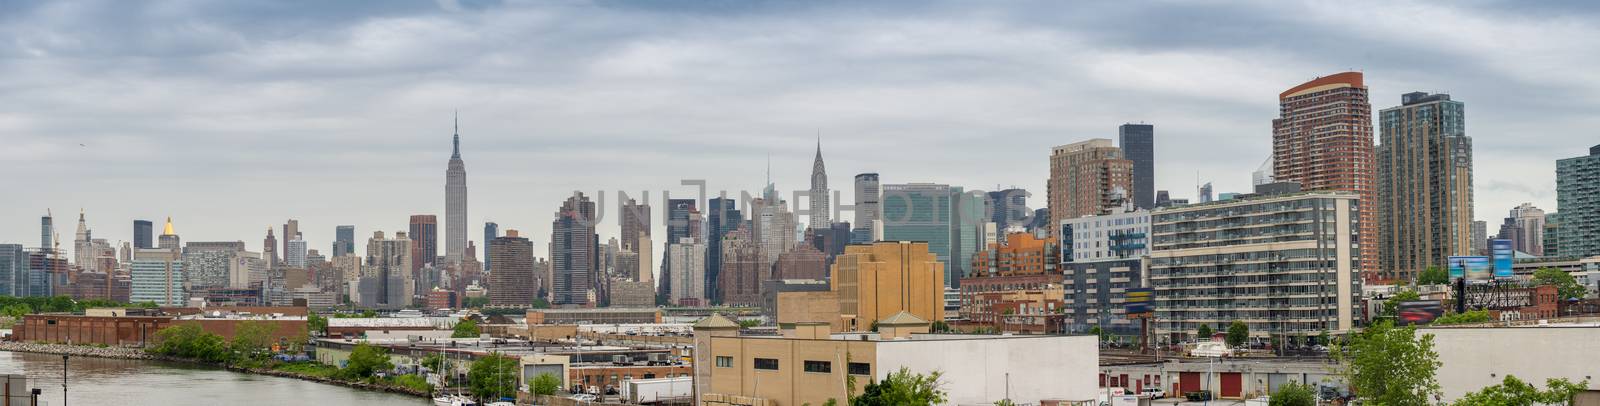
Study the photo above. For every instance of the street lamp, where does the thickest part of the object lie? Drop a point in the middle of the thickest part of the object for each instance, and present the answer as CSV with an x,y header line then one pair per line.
x,y
63,379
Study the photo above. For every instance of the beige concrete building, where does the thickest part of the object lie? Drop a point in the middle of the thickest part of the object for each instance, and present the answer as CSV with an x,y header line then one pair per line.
x,y
810,365
809,307
877,280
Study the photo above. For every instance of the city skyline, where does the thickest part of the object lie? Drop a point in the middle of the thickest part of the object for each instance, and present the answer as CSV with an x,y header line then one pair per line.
x,y
211,151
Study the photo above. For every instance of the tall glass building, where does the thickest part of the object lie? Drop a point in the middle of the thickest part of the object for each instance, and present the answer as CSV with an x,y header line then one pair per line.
x,y
13,270
1138,145
934,214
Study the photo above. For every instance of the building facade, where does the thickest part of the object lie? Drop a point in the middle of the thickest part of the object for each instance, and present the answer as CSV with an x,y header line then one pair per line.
x,y
158,277
868,206
1281,264
1524,226
1322,139
1102,257
513,283
1578,196
1084,178
743,269
817,213
143,234
688,272
424,234
344,241
883,278
1424,185
926,213
455,203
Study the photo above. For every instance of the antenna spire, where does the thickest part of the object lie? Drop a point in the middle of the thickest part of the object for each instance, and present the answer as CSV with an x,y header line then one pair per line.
x,y
455,141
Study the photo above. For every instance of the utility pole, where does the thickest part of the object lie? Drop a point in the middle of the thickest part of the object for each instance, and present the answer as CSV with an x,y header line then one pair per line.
x,y
64,379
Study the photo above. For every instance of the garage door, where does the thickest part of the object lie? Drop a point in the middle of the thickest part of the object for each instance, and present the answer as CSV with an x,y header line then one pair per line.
x,y
1275,381
1189,382
1232,385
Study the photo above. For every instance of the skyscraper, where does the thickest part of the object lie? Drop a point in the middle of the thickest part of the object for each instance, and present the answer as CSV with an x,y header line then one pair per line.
x,y
388,281
1138,145
291,231
924,213
1578,196
1009,207
295,257
13,270
1424,185
818,219
1480,237
742,269
512,284
491,230
634,221
573,250
1524,226
678,211
455,203
424,233
688,272
1083,177
82,245
269,249
143,234
722,217
157,276
868,199
1205,193
47,231
1322,139
344,241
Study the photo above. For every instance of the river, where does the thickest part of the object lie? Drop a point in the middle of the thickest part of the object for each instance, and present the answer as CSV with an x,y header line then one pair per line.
x,y
101,381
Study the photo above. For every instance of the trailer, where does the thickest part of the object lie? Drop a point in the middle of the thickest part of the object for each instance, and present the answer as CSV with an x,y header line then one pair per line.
x,y
647,391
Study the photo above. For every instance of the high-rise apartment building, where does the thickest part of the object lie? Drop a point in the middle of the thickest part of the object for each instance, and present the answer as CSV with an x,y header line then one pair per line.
x,y
1578,196
1552,234
1101,258
1087,178
573,250
634,220
513,283
868,206
344,241
1292,274
1138,143
143,234
774,225
818,219
424,233
13,270
1322,139
1424,185
455,203
878,280
687,271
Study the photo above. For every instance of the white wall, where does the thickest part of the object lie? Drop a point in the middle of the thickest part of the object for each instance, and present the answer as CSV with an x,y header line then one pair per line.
x,y
975,370
1533,354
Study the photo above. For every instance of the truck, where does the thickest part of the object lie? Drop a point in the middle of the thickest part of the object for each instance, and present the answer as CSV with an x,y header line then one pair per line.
x,y
621,360
656,390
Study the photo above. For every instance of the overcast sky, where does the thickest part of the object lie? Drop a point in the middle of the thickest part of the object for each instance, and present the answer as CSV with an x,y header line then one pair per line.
x,y
231,117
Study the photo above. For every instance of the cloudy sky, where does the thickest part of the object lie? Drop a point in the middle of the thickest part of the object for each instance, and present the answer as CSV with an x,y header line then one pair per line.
x,y
231,117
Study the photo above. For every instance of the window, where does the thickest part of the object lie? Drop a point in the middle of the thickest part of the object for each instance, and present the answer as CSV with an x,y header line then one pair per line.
x,y
724,362
860,368
819,366
767,363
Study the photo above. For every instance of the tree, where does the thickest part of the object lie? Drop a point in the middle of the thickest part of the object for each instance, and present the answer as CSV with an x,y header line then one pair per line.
x,y
466,328
1433,276
1204,332
17,310
493,376
317,324
1470,317
939,327
544,384
188,340
1293,394
903,388
1515,392
1390,366
251,340
367,359
1566,286
1237,333
1392,306
749,323
475,302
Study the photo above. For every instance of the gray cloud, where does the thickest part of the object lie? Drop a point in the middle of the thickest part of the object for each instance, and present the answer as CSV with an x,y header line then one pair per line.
x,y
232,117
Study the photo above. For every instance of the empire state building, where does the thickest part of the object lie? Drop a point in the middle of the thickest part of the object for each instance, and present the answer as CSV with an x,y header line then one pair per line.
x,y
455,204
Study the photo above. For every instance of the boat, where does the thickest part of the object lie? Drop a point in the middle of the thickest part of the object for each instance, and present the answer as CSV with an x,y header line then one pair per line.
x,y
453,400
501,404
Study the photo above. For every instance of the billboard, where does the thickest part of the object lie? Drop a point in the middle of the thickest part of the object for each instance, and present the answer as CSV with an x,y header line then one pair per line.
x,y
1418,312
1138,301
1502,251
1473,268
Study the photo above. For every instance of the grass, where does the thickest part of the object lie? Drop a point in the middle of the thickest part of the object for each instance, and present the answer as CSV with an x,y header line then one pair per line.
x,y
316,369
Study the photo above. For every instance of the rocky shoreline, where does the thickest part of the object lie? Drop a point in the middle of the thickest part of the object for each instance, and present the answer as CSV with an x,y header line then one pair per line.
x,y
137,354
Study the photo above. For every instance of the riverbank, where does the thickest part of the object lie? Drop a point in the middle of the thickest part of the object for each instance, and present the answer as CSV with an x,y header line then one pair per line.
x,y
138,354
